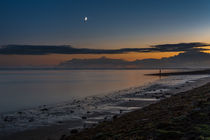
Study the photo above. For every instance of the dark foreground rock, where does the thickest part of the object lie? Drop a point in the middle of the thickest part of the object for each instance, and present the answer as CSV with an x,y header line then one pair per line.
x,y
185,116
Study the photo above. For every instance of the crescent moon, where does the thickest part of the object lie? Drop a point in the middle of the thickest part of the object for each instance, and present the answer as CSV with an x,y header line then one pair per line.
x,y
85,19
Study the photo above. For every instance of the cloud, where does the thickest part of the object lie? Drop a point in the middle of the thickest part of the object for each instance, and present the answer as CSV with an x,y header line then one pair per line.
x,y
195,46
191,59
66,49
63,49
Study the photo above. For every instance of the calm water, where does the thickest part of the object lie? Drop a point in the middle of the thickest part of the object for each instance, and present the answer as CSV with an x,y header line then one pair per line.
x,y
25,89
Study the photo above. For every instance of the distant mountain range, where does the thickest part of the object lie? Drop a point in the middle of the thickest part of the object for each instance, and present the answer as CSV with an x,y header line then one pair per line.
x,y
190,59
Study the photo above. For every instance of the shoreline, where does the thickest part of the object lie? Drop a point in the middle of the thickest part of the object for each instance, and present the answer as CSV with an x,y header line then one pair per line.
x,y
133,101
184,116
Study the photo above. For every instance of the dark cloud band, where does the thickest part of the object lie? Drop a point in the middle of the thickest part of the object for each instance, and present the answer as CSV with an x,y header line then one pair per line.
x,y
65,49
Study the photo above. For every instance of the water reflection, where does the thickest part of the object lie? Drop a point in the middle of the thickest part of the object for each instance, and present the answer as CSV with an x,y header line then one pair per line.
x,y
23,89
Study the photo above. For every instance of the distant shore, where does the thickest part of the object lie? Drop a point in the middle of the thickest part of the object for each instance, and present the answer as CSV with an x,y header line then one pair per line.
x,y
191,72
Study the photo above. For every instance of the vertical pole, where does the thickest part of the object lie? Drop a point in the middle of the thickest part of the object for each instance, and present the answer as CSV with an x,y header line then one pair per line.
x,y
160,73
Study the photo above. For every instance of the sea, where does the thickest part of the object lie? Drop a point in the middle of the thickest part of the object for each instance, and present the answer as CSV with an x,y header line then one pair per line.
x,y
21,89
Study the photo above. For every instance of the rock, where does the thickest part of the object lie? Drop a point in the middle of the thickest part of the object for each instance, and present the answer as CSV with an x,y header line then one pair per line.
x,y
60,122
163,125
74,131
19,112
157,97
168,134
31,120
84,117
8,119
99,135
115,116
44,109
63,137
144,119
196,109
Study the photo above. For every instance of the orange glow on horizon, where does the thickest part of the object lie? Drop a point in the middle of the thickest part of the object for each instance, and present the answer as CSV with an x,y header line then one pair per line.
x,y
140,56
206,47
55,59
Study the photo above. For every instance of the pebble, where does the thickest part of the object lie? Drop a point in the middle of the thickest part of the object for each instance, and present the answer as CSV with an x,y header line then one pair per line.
x,y
31,120
8,119
115,117
63,137
84,118
44,109
74,131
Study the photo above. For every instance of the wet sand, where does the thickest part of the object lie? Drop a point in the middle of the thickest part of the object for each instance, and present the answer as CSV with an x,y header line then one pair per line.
x,y
184,116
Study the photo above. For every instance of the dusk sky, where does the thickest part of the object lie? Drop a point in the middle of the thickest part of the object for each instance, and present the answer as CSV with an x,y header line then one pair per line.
x,y
111,24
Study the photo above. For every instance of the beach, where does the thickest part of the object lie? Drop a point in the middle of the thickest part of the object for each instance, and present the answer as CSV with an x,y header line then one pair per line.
x,y
184,116
91,111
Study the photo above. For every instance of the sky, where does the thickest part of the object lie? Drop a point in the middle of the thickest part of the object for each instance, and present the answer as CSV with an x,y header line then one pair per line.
x,y
112,24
